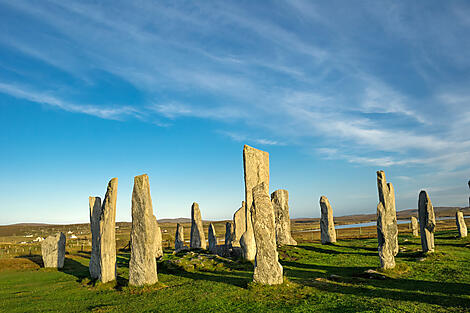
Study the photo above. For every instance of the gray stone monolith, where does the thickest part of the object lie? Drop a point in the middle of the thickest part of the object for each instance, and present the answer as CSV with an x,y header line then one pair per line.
x,y
280,201
414,226
327,225
53,251
158,242
387,229
95,213
267,270
142,265
179,238
239,224
461,226
212,238
256,171
198,239
427,222
108,233
228,236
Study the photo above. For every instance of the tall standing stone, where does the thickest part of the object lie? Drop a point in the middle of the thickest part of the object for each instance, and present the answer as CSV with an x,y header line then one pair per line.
x,y
142,265
256,171
197,240
108,233
95,214
53,251
414,226
228,236
427,221
158,242
267,270
461,226
179,238
212,238
239,224
280,201
327,225
387,229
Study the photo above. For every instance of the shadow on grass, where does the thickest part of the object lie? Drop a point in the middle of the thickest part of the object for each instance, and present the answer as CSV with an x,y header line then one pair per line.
x,y
239,280
75,268
35,258
325,250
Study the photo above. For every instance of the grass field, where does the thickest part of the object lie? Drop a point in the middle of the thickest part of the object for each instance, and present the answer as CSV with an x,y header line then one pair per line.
x,y
319,278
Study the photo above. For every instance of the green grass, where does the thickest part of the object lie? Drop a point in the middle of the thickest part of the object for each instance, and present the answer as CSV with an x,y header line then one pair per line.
x,y
319,278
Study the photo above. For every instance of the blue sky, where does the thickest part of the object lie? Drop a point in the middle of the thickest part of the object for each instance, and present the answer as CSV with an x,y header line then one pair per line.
x,y
333,90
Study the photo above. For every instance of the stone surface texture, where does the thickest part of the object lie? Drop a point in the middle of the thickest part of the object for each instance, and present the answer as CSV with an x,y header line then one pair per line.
x,y
239,224
142,265
198,239
228,235
95,214
414,226
212,238
158,242
327,225
387,230
267,270
427,221
179,238
461,226
280,201
108,233
53,251
256,171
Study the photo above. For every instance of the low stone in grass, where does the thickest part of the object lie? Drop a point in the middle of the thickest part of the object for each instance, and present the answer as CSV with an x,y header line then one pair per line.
x,y
53,251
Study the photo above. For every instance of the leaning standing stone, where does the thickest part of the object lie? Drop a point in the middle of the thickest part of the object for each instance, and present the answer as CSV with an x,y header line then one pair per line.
x,y
239,224
142,265
461,226
327,225
414,226
179,238
95,213
197,240
267,268
256,171
212,239
53,251
108,233
280,201
387,230
427,221
158,242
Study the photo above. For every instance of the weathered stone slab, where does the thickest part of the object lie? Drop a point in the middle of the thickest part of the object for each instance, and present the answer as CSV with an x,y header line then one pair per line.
x,y
158,242
228,236
414,226
280,201
212,238
461,226
53,251
239,224
256,171
142,265
198,239
267,270
179,238
387,229
327,225
427,221
95,214
108,233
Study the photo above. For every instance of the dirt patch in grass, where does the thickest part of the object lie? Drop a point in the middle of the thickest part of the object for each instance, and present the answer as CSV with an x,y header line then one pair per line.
x,y
20,264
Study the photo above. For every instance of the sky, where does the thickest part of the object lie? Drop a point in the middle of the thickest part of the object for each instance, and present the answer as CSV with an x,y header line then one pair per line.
x,y
333,90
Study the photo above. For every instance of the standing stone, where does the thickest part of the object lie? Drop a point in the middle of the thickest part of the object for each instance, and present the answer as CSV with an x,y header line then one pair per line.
x,y
53,251
179,238
239,224
256,171
197,240
142,265
280,201
108,233
387,229
327,225
461,226
427,222
414,226
268,270
95,214
212,239
158,242
228,236
469,197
